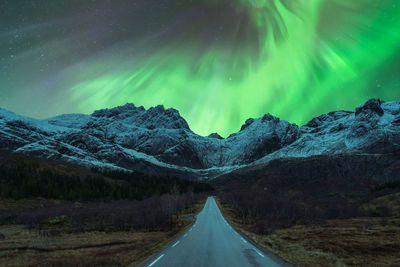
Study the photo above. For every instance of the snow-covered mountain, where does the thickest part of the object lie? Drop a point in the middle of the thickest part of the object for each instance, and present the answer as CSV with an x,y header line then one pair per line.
x,y
373,128
159,140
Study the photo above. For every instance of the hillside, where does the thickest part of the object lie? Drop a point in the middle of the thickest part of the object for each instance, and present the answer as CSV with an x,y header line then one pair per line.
x,y
159,140
22,176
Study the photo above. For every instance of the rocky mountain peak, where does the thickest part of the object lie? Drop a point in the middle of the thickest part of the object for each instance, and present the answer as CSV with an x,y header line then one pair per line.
x,y
372,105
165,118
159,140
262,120
215,135
152,118
268,117
247,124
112,112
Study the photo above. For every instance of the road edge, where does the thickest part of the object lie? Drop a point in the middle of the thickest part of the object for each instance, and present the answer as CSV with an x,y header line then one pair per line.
x,y
164,245
278,259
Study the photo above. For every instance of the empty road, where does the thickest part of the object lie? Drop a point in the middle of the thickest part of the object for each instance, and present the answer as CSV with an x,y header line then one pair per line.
x,y
211,241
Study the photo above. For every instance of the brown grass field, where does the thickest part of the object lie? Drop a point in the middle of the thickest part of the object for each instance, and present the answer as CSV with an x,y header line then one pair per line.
x,y
364,241
57,247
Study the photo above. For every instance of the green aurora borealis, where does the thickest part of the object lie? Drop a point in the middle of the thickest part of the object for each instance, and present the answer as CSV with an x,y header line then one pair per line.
x,y
217,62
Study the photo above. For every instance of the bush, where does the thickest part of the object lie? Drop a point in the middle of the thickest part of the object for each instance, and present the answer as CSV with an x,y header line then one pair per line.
x,y
151,214
267,211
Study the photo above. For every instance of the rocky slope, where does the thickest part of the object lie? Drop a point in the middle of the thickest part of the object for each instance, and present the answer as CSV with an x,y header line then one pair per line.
x,y
159,140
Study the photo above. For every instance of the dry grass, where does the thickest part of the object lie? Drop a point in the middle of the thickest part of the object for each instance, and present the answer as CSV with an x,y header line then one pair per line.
x,y
22,247
26,204
389,204
349,242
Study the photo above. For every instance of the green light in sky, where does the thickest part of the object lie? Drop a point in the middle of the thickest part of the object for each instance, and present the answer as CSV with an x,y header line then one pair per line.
x,y
311,68
293,59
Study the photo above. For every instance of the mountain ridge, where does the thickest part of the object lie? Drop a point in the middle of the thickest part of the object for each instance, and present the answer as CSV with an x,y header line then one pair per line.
x,y
159,140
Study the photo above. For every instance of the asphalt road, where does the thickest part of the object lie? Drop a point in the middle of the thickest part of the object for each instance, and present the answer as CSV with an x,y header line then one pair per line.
x,y
211,242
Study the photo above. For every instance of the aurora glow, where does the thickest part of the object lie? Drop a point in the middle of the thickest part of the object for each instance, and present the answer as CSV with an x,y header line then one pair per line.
x,y
217,62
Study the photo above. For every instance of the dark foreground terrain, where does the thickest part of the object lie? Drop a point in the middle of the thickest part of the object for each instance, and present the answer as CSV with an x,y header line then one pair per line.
x,y
58,243
316,211
100,218
341,210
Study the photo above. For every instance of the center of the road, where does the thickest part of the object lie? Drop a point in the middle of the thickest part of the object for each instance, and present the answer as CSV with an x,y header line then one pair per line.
x,y
201,239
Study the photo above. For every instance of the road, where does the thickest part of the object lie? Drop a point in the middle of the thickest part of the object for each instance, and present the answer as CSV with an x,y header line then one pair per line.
x,y
211,241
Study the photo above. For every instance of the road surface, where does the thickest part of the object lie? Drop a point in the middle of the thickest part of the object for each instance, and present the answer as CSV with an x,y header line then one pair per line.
x,y
211,241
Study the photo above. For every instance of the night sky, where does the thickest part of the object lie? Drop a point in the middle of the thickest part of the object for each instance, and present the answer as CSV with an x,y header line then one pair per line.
x,y
218,62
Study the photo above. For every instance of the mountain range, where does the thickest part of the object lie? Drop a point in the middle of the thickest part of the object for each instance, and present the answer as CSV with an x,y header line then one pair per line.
x,y
159,140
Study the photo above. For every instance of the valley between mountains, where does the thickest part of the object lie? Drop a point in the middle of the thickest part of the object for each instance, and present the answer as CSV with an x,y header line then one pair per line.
x,y
116,187
159,140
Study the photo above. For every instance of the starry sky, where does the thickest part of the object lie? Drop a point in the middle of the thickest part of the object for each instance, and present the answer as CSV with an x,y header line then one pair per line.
x,y
218,62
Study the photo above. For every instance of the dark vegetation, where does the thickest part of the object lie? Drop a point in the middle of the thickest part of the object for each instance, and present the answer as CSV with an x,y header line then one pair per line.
x,y
24,177
277,196
266,212
77,199
387,188
158,213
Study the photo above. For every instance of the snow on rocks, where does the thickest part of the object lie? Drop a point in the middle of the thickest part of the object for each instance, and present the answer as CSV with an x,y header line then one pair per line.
x,y
159,140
